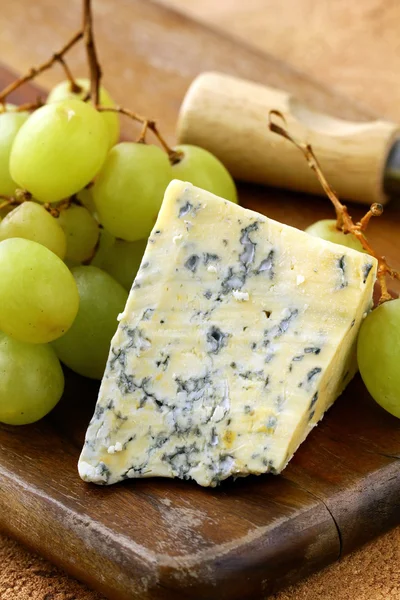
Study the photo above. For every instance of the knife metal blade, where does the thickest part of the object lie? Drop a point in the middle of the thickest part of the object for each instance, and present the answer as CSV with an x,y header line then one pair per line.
x,y
391,175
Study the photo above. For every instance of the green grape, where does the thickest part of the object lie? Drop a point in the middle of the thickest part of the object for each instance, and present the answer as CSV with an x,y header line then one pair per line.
x,y
204,170
81,231
31,221
85,347
86,199
59,150
106,241
326,230
129,189
122,261
38,295
10,123
31,381
378,354
5,210
63,91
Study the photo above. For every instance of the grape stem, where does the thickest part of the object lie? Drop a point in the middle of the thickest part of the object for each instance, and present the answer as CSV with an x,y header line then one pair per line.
x,y
34,71
344,222
7,200
30,105
73,86
63,205
173,155
85,33
20,197
142,137
91,52
22,107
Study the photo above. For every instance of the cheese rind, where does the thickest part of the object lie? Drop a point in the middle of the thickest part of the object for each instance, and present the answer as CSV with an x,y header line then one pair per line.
x,y
224,371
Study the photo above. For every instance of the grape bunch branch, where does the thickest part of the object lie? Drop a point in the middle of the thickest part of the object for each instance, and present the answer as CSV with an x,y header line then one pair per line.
x,y
147,124
77,206
35,71
91,52
344,221
86,33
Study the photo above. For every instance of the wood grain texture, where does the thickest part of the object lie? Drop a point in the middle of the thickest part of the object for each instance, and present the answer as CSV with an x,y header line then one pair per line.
x,y
352,47
167,539
155,50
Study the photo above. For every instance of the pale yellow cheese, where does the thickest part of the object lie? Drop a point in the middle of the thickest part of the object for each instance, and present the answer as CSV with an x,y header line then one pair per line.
x,y
238,334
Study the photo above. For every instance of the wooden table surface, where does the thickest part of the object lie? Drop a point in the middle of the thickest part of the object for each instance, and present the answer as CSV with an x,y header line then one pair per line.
x,y
352,47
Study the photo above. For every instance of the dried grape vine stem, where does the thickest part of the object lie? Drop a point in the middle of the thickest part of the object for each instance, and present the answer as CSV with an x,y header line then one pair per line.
x,y
344,221
28,106
19,197
22,107
35,71
22,196
94,65
174,156
87,34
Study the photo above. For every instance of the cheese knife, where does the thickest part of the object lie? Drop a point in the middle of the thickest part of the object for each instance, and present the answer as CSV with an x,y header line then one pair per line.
x,y
229,117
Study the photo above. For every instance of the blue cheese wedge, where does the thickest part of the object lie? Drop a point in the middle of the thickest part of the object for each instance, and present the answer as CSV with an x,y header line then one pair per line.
x,y
238,334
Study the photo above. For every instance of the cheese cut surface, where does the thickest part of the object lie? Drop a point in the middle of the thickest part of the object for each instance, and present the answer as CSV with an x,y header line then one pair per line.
x,y
238,334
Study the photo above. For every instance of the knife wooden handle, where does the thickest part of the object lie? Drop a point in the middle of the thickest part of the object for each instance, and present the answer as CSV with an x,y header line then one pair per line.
x,y
229,117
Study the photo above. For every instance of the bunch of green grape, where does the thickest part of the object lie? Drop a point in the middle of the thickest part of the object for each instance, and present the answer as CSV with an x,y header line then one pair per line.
x,y
378,345
70,251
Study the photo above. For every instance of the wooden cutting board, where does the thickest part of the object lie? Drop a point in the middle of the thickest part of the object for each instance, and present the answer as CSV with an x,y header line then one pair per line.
x,y
162,539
